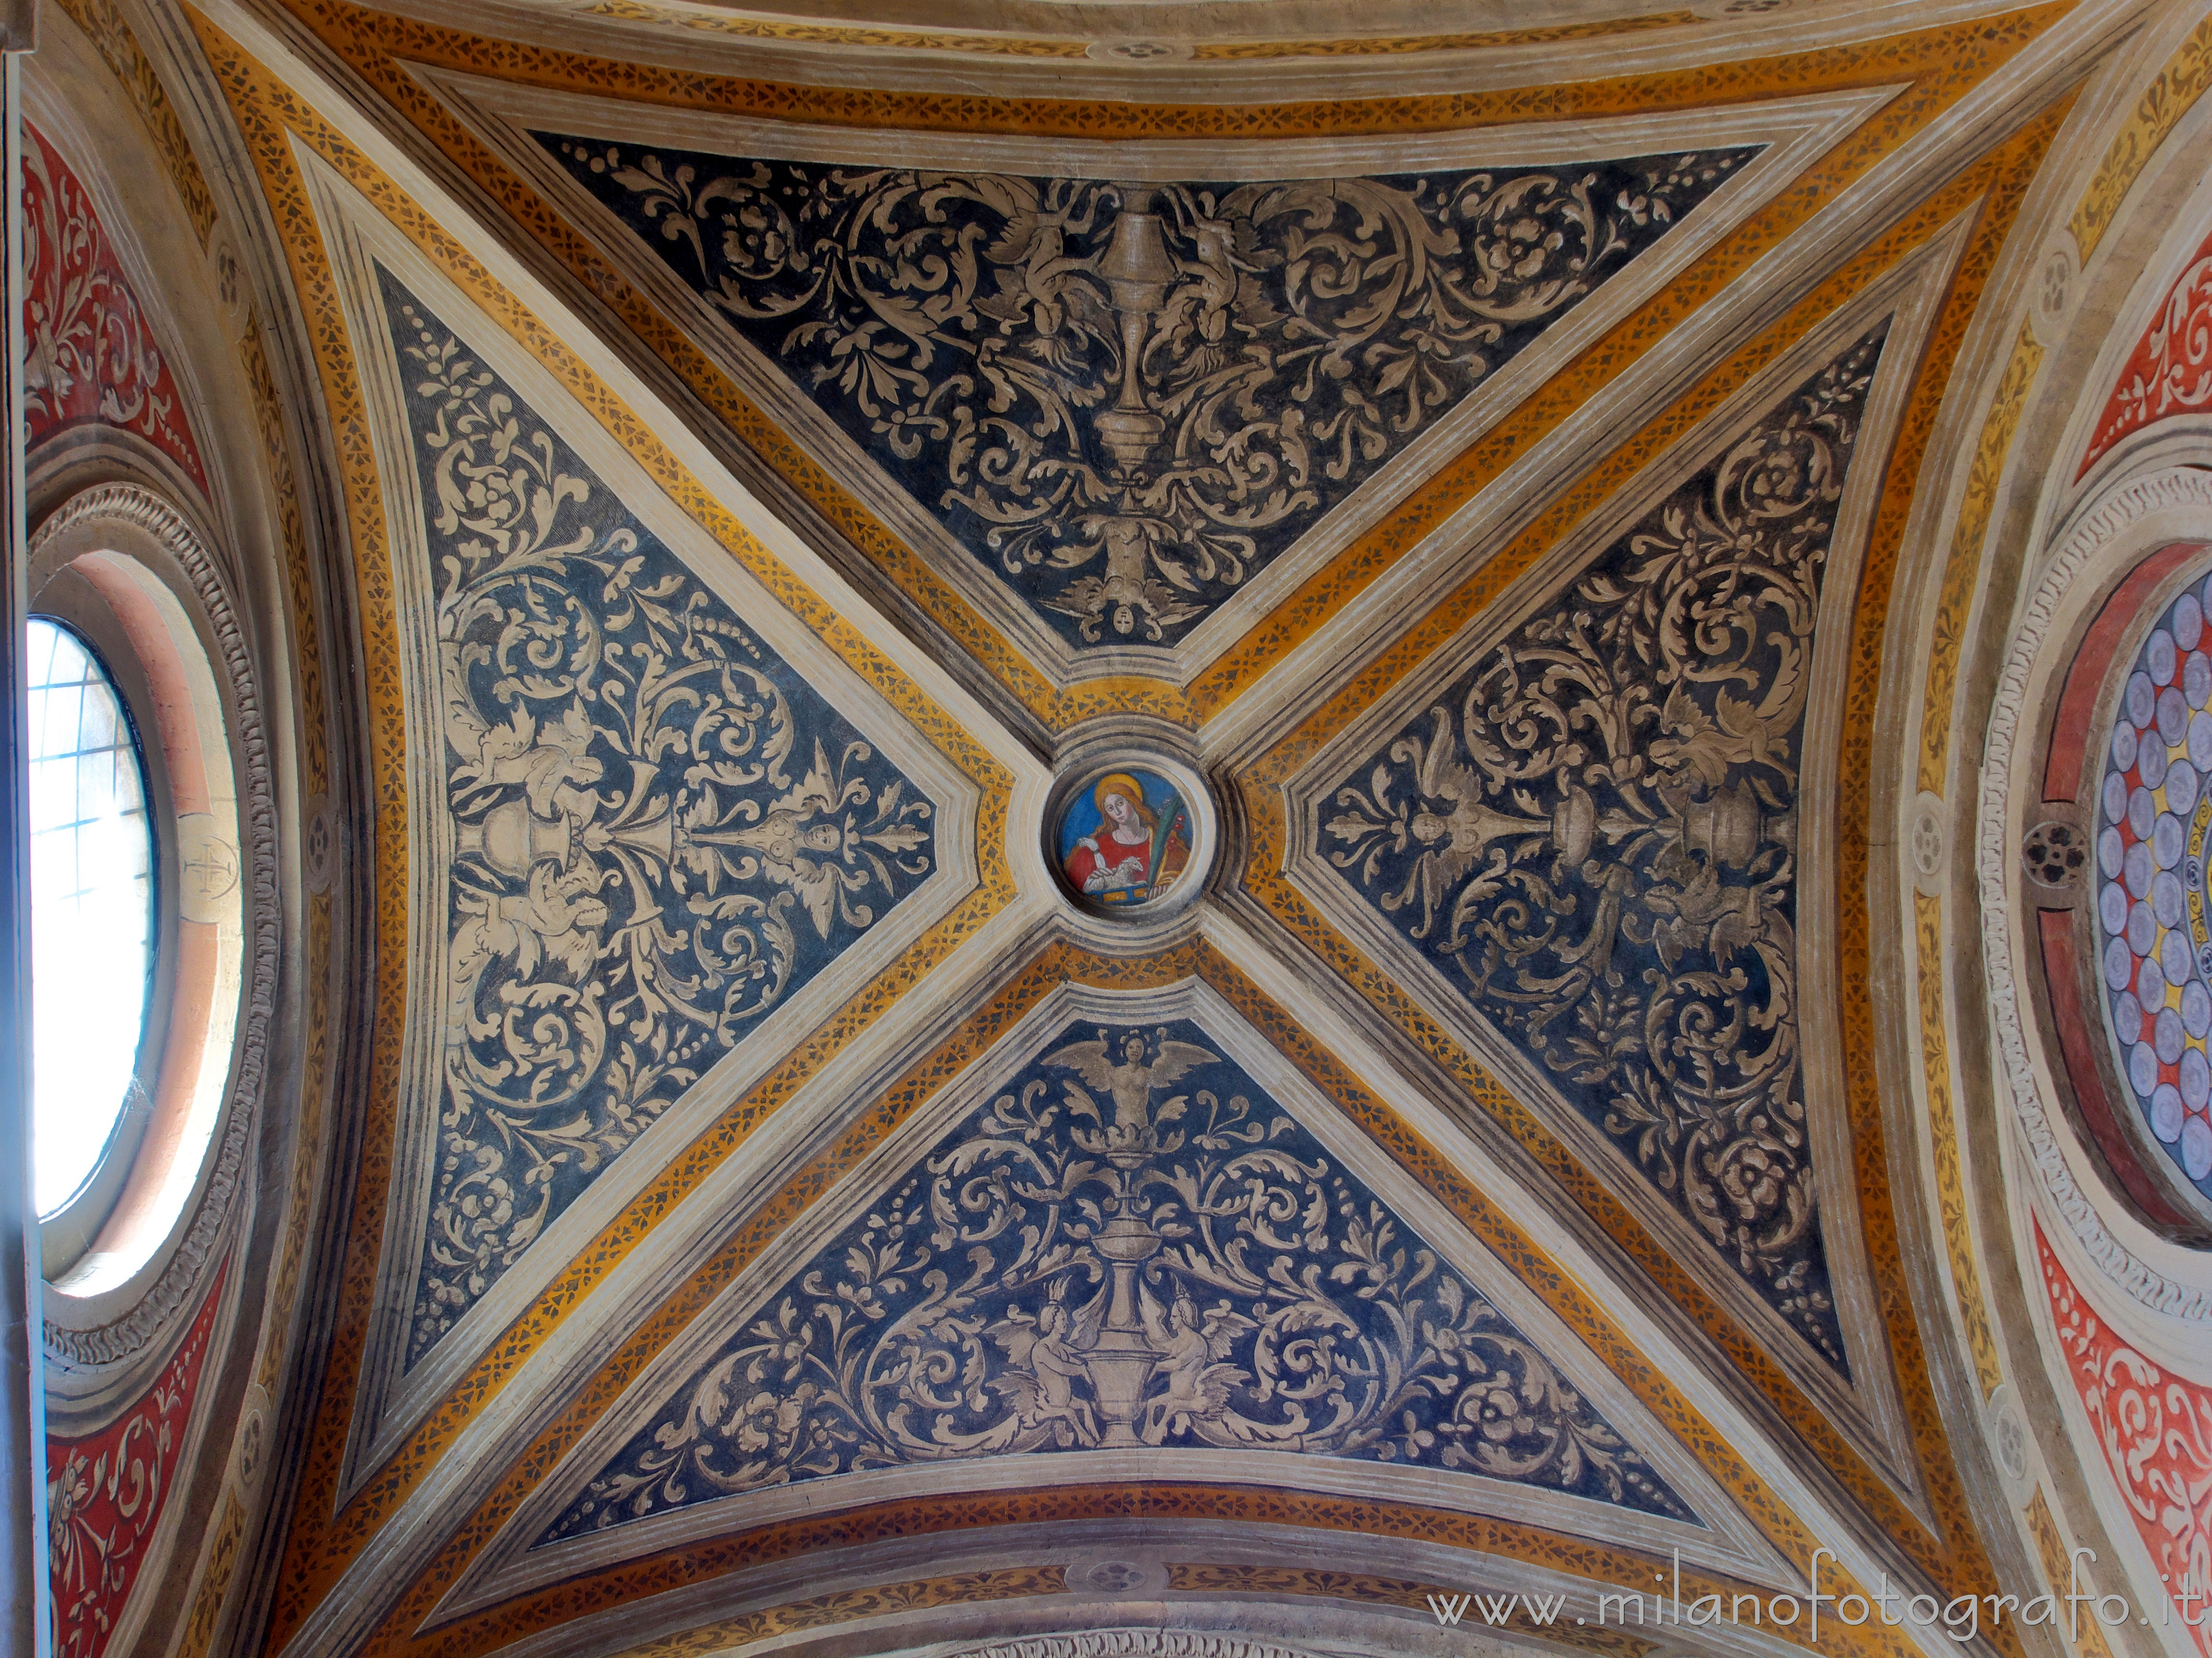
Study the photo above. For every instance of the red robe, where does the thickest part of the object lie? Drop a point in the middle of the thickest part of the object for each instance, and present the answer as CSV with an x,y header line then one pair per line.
x,y
1101,850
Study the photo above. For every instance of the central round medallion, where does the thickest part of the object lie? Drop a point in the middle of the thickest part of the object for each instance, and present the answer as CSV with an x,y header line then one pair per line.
x,y
1129,834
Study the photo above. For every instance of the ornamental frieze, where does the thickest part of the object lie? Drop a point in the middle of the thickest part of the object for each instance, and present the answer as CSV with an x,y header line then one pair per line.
x,y
1128,1244
1592,832
1125,400
660,832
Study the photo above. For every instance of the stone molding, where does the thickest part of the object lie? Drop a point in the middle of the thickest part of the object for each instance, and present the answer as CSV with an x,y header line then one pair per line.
x,y
1129,1643
150,1316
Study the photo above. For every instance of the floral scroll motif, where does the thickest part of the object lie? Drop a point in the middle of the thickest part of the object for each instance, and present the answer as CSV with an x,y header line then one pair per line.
x,y
1593,829
2156,1432
1126,399
90,356
661,831
105,1492
1129,1245
2169,373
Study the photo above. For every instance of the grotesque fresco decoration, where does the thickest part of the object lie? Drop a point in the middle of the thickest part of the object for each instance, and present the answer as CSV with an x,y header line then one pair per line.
x,y
2154,814
2154,1428
2166,375
1124,399
661,831
106,1491
1130,1244
1593,831
1126,840
90,357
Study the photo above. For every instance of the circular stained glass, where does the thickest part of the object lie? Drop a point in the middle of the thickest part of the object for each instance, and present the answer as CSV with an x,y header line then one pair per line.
x,y
92,909
2155,937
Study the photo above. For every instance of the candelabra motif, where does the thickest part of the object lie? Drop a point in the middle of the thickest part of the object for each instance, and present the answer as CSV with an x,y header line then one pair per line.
x,y
1130,1245
661,830
1630,920
1124,398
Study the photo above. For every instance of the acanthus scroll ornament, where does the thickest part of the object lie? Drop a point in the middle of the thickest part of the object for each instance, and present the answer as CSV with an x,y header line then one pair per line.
x,y
106,1491
661,830
1594,829
91,358
1130,1245
1126,399
2155,1431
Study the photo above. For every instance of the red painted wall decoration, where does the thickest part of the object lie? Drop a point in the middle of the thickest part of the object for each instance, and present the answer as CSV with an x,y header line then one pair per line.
x,y
92,358
2170,371
105,1494
2156,1432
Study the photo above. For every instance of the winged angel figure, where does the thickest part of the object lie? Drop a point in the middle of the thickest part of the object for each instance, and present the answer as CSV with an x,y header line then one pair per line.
x,y
1130,1082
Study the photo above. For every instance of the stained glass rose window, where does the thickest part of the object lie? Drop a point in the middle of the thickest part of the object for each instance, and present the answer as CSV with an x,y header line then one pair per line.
x,y
2155,940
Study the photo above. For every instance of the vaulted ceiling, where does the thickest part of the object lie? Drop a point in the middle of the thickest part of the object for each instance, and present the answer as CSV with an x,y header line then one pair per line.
x,y
761,465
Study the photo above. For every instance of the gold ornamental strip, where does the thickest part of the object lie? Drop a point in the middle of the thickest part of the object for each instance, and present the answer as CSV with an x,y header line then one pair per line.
x,y
2173,92
105,26
1962,571
1943,1131
1058,964
322,1544
1993,187
1938,67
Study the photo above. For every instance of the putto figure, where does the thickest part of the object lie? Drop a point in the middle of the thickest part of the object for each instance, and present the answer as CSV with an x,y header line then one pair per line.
x,y
1135,850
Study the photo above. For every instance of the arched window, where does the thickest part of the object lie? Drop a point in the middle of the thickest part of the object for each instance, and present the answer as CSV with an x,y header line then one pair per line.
x,y
138,923
93,926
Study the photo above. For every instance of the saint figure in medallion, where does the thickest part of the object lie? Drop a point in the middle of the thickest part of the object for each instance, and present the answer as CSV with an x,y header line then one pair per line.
x,y
1138,846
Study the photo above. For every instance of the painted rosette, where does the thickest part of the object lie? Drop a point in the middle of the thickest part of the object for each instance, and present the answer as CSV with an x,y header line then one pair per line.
x,y
2154,815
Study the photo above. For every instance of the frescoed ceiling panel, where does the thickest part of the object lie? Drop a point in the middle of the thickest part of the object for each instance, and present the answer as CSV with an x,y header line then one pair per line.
x,y
1633,932
1461,325
612,731
779,1163
349,246
513,1559
1126,400
1117,1202
426,73
662,852
1550,838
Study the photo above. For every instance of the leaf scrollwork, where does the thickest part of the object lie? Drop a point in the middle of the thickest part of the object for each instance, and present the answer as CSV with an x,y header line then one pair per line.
x,y
1594,829
1124,398
1129,1245
661,830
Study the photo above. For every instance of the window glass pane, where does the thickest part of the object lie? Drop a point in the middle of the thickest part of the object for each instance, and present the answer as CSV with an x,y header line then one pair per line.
x,y
92,908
